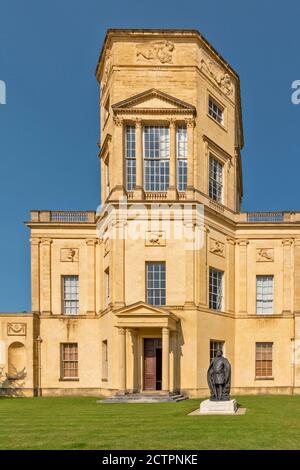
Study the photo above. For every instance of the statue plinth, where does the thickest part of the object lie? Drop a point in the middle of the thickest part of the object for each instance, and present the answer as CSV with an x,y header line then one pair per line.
x,y
226,407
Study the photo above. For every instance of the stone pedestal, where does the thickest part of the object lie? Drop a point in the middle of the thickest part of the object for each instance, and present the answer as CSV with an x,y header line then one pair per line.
x,y
208,407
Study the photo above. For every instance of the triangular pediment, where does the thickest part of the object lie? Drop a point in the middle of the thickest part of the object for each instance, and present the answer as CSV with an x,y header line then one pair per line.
x,y
141,308
153,99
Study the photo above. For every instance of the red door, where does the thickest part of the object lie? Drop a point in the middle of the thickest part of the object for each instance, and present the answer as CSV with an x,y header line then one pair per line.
x,y
152,366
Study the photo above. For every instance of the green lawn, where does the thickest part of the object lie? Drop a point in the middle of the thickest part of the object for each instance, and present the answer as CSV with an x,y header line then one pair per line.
x,y
271,422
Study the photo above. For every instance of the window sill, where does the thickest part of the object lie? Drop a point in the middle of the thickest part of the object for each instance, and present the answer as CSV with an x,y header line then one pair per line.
x,y
264,378
75,379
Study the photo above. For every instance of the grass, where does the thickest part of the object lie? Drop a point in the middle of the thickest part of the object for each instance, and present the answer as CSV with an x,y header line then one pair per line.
x,y
271,422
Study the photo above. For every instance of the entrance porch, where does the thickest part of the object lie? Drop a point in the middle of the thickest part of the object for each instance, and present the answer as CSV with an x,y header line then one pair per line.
x,y
147,349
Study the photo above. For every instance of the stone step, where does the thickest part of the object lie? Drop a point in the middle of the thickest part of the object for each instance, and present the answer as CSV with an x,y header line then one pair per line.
x,y
144,398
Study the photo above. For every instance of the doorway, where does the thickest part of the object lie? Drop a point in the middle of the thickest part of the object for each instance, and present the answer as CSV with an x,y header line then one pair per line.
x,y
152,364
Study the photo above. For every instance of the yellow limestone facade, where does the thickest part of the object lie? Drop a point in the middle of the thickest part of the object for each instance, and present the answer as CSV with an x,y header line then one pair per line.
x,y
115,340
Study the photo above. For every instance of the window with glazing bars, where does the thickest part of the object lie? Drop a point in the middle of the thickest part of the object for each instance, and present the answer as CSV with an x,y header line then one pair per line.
x,y
215,179
263,360
264,294
215,111
69,360
130,158
156,283
181,141
214,347
70,295
215,289
156,158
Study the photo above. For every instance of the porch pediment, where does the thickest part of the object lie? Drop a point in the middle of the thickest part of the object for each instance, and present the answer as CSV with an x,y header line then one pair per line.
x,y
151,100
142,315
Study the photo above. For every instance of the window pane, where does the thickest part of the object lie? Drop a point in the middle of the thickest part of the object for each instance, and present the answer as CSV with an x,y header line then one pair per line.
x,y
264,294
215,179
130,158
181,141
263,360
156,283
69,360
156,158
70,295
215,289
215,111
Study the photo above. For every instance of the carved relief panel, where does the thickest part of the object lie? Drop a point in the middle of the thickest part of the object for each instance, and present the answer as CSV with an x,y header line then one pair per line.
x,y
264,254
155,51
16,329
155,239
69,254
216,247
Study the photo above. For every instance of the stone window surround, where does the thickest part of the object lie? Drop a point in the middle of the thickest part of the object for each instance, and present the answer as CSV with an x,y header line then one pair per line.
x,y
172,122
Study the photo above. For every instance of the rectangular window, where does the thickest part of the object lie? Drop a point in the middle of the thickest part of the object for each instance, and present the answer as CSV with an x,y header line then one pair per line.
x,y
69,360
264,294
263,360
215,179
181,150
107,286
214,347
156,283
130,158
70,295
156,158
215,111
215,289
104,360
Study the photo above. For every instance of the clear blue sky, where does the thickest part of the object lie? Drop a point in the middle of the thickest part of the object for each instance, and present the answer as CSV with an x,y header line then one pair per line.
x,y
49,126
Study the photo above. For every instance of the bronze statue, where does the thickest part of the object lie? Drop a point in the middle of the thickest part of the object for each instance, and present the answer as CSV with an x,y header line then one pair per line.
x,y
218,378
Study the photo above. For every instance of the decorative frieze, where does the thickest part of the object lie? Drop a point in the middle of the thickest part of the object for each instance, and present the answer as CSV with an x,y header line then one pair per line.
x,y
217,74
264,254
16,329
155,51
69,255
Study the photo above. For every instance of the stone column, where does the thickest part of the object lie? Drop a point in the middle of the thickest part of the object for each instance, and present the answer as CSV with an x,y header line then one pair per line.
x,y
176,385
35,274
99,275
90,276
230,275
189,264
287,276
297,276
242,275
122,360
165,359
173,160
139,159
202,270
45,299
190,123
132,386
118,265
